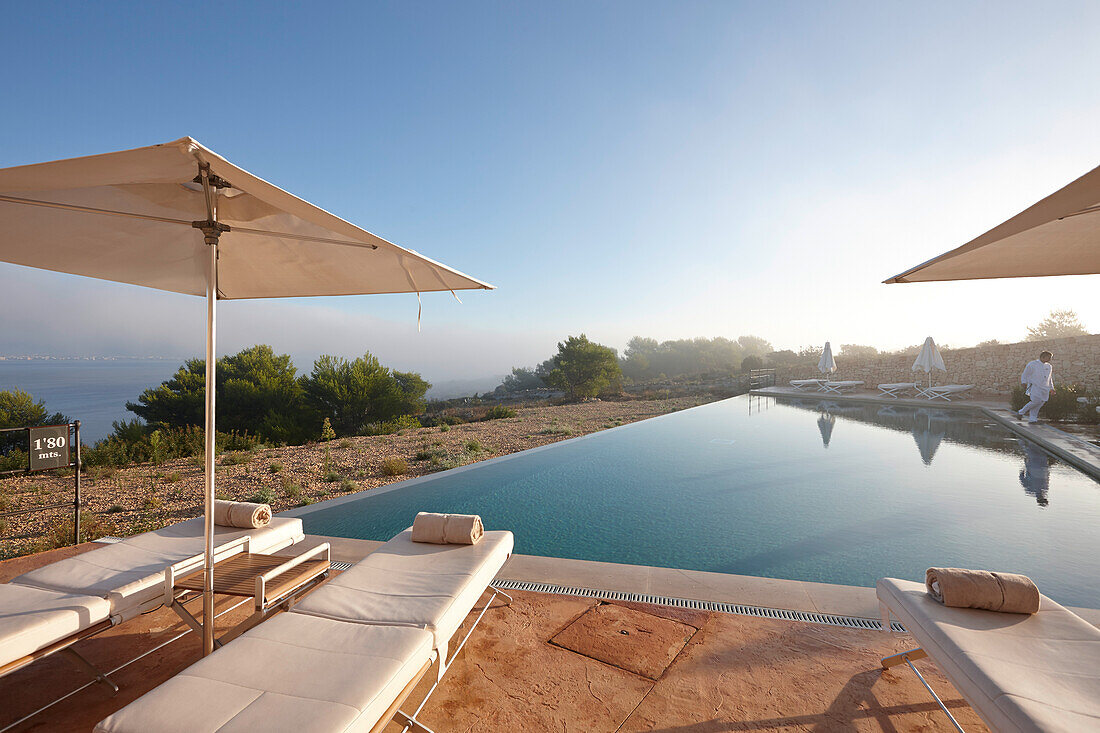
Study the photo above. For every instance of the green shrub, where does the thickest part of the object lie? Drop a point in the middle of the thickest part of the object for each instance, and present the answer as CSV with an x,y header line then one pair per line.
x,y
236,458
173,477
14,460
1019,398
291,489
394,467
61,534
152,501
275,467
444,428
1063,404
330,475
498,412
115,509
348,485
426,454
327,433
263,495
472,446
344,444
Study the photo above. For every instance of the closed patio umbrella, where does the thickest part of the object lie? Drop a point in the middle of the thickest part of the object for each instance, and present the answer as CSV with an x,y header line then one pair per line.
x,y
179,217
1059,235
929,358
826,364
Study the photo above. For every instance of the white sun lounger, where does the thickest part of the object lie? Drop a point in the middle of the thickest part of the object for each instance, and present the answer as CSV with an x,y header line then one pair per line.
x,y
1019,672
942,391
804,385
48,609
895,389
841,386
344,658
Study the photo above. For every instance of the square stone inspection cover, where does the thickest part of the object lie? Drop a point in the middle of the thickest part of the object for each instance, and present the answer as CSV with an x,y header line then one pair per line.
x,y
625,638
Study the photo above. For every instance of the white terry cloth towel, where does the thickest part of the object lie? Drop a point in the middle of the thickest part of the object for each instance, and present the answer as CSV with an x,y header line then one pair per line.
x,y
241,514
447,529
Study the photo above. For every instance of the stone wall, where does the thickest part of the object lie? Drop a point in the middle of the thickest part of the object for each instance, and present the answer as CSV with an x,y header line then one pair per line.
x,y
992,369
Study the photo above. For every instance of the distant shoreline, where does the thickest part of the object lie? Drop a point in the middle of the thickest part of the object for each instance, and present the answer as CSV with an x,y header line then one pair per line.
x,y
23,357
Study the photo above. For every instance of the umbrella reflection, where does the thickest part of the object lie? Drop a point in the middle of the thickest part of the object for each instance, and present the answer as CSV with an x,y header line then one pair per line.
x,y
1035,476
928,438
825,423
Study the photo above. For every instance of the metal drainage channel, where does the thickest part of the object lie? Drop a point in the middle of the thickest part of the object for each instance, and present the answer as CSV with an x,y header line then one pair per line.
x,y
827,619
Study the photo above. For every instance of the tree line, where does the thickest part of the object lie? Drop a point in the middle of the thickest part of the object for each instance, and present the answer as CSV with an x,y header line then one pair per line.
x,y
260,393
582,368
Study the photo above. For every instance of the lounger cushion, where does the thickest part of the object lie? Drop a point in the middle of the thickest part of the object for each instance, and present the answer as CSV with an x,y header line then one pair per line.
x,y
291,673
130,574
32,618
1038,672
416,584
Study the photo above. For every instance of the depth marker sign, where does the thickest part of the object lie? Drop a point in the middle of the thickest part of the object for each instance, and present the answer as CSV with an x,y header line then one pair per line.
x,y
49,447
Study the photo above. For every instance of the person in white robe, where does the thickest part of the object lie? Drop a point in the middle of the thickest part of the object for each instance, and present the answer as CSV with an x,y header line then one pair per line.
x,y
1038,381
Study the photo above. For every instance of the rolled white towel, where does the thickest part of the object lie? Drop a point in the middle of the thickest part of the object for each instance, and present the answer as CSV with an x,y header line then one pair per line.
x,y
447,529
241,514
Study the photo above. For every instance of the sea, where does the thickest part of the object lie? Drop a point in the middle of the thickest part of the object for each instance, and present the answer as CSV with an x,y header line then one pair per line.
x,y
95,392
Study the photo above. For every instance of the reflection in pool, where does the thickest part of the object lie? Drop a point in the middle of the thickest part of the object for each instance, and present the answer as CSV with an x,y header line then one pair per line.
x,y
830,491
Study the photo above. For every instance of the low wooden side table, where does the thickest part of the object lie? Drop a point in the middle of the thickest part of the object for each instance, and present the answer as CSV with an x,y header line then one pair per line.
x,y
273,581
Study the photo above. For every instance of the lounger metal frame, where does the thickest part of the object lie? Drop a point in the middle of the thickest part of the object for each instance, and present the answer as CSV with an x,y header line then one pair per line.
x,y
838,387
101,677
63,645
806,384
410,722
907,658
933,393
893,391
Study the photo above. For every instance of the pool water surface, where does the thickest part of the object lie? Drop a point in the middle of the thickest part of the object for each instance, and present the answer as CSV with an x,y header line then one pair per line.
x,y
811,490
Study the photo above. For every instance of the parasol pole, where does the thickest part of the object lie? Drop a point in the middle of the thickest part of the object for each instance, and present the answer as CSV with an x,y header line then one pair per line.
x,y
211,230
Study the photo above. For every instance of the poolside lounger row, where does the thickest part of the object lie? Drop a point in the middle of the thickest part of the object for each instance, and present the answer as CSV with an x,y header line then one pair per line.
x,y
344,658
825,385
1019,672
46,610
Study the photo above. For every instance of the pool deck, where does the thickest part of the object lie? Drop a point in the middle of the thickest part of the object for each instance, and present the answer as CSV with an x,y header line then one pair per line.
x,y
1072,449
560,662
522,670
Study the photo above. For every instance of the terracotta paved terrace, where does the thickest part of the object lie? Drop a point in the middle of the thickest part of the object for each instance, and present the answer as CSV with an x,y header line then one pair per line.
x,y
562,663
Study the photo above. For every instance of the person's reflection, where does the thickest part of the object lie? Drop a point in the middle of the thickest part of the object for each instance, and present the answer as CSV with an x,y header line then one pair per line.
x,y
1035,476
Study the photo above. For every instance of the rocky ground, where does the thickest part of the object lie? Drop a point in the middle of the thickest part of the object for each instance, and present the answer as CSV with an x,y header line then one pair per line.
x,y
126,501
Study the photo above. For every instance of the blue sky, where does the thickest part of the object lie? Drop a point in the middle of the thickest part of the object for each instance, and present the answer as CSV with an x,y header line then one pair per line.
x,y
667,169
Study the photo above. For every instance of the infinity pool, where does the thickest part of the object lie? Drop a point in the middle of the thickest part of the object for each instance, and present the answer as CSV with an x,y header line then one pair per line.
x,y
800,489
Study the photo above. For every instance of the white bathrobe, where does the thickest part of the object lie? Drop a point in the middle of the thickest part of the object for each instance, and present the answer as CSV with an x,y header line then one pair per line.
x,y
1038,379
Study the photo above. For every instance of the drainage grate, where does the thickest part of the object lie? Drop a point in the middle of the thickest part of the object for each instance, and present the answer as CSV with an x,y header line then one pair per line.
x,y
828,619
109,540
340,565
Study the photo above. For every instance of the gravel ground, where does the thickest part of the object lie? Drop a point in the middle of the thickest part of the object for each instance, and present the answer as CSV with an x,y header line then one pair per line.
x,y
127,501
